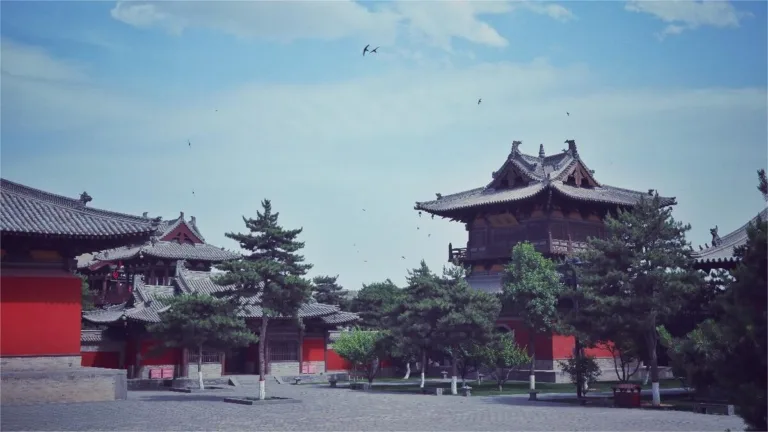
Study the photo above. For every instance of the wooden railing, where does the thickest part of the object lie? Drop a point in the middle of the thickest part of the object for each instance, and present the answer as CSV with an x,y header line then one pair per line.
x,y
504,251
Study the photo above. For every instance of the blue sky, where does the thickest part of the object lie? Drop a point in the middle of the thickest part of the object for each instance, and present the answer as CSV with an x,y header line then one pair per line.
x,y
102,96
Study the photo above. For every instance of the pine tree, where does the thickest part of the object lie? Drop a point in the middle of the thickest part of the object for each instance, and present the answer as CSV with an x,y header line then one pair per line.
x,y
326,290
373,303
470,316
86,295
531,289
271,276
196,321
415,319
640,275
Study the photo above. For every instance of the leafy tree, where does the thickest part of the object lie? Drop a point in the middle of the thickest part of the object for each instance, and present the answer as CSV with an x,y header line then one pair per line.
x,y
468,315
374,301
501,356
532,288
361,348
400,353
730,350
762,185
640,275
583,371
326,290
271,276
194,321
86,296
468,356
416,319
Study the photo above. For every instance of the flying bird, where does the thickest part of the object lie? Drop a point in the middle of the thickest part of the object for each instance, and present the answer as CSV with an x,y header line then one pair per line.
x,y
365,50
479,100
189,144
375,50
402,257
363,209
429,235
567,113
193,191
418,228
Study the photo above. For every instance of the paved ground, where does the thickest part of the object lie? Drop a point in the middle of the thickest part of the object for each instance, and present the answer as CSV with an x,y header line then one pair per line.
x,y
327,409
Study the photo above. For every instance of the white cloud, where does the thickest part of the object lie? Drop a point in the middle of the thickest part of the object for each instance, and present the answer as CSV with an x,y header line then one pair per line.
x,y
25,61
323,152
689,14
435,23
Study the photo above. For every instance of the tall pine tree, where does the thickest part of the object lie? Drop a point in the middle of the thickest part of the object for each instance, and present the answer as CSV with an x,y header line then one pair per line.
x,y
374,302
641,274
197,321
327,290
531,289
271,276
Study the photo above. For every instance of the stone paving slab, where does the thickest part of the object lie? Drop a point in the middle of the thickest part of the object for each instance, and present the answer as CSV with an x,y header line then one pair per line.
x,y
338,409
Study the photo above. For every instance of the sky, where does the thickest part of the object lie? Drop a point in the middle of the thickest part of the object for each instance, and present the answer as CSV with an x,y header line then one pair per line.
x,y
278,102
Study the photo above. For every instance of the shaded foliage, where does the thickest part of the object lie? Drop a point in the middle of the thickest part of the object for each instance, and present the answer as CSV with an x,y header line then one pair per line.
x,y
374,302
326,290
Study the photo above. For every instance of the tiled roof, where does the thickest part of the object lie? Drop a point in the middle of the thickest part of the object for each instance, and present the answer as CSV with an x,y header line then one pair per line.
x,y
92,336
147,304
171,225
723,252
169,250
541,174
25,210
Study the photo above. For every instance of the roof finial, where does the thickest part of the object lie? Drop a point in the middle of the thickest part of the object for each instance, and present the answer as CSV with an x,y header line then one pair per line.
x,y
572,147
192,220
715,236
439,196
85,198
145,215
181,215
515,145
541,150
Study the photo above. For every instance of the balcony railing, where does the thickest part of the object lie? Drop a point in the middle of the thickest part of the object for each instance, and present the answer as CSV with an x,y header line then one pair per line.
x,y
561,247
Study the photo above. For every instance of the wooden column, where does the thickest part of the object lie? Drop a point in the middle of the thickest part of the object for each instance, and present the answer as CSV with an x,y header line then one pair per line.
x,y
184,373
301,348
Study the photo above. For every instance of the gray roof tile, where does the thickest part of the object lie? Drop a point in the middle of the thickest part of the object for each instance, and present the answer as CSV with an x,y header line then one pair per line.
x,y
542,174
92,336
723,252
25,210
169,250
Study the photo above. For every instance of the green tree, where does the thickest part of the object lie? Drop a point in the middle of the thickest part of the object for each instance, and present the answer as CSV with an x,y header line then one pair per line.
x,y
86,296
762,185
361,348
532,289
196,321
730,350
271,276
641,275
416,319
326,290
468,315
374,302
583,371
502,356
468,356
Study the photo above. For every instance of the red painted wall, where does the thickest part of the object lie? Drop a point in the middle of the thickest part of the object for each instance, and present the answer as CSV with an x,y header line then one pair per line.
x,y
185,231
101,359
334,362
39,313
543,341
170,356
313,349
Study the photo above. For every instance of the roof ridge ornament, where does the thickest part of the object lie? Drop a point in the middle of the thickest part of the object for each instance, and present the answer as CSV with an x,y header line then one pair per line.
x,y
515,147
181,215
541,151
572,147
85,198
715,237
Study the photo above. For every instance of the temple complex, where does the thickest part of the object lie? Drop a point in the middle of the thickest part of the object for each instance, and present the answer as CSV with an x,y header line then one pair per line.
x,y
719,254
123,342
40,300
109,271
554,202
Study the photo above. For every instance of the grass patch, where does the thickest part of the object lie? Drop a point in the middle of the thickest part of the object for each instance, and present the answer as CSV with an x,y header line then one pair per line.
x,y
487,388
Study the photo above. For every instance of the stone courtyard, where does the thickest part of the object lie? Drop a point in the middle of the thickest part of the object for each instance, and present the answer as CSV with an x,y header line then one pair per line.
x,y
340,409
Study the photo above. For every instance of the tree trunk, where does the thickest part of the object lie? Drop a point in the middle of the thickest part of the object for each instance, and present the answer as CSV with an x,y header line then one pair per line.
x,y
200,367
407,370
423,367
652,341
532,373
454,379
263,358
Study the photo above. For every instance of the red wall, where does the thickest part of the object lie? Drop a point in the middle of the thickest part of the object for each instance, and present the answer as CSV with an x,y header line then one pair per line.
x,y
39,313
313,349
335,362
543,341
170,356
101,359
